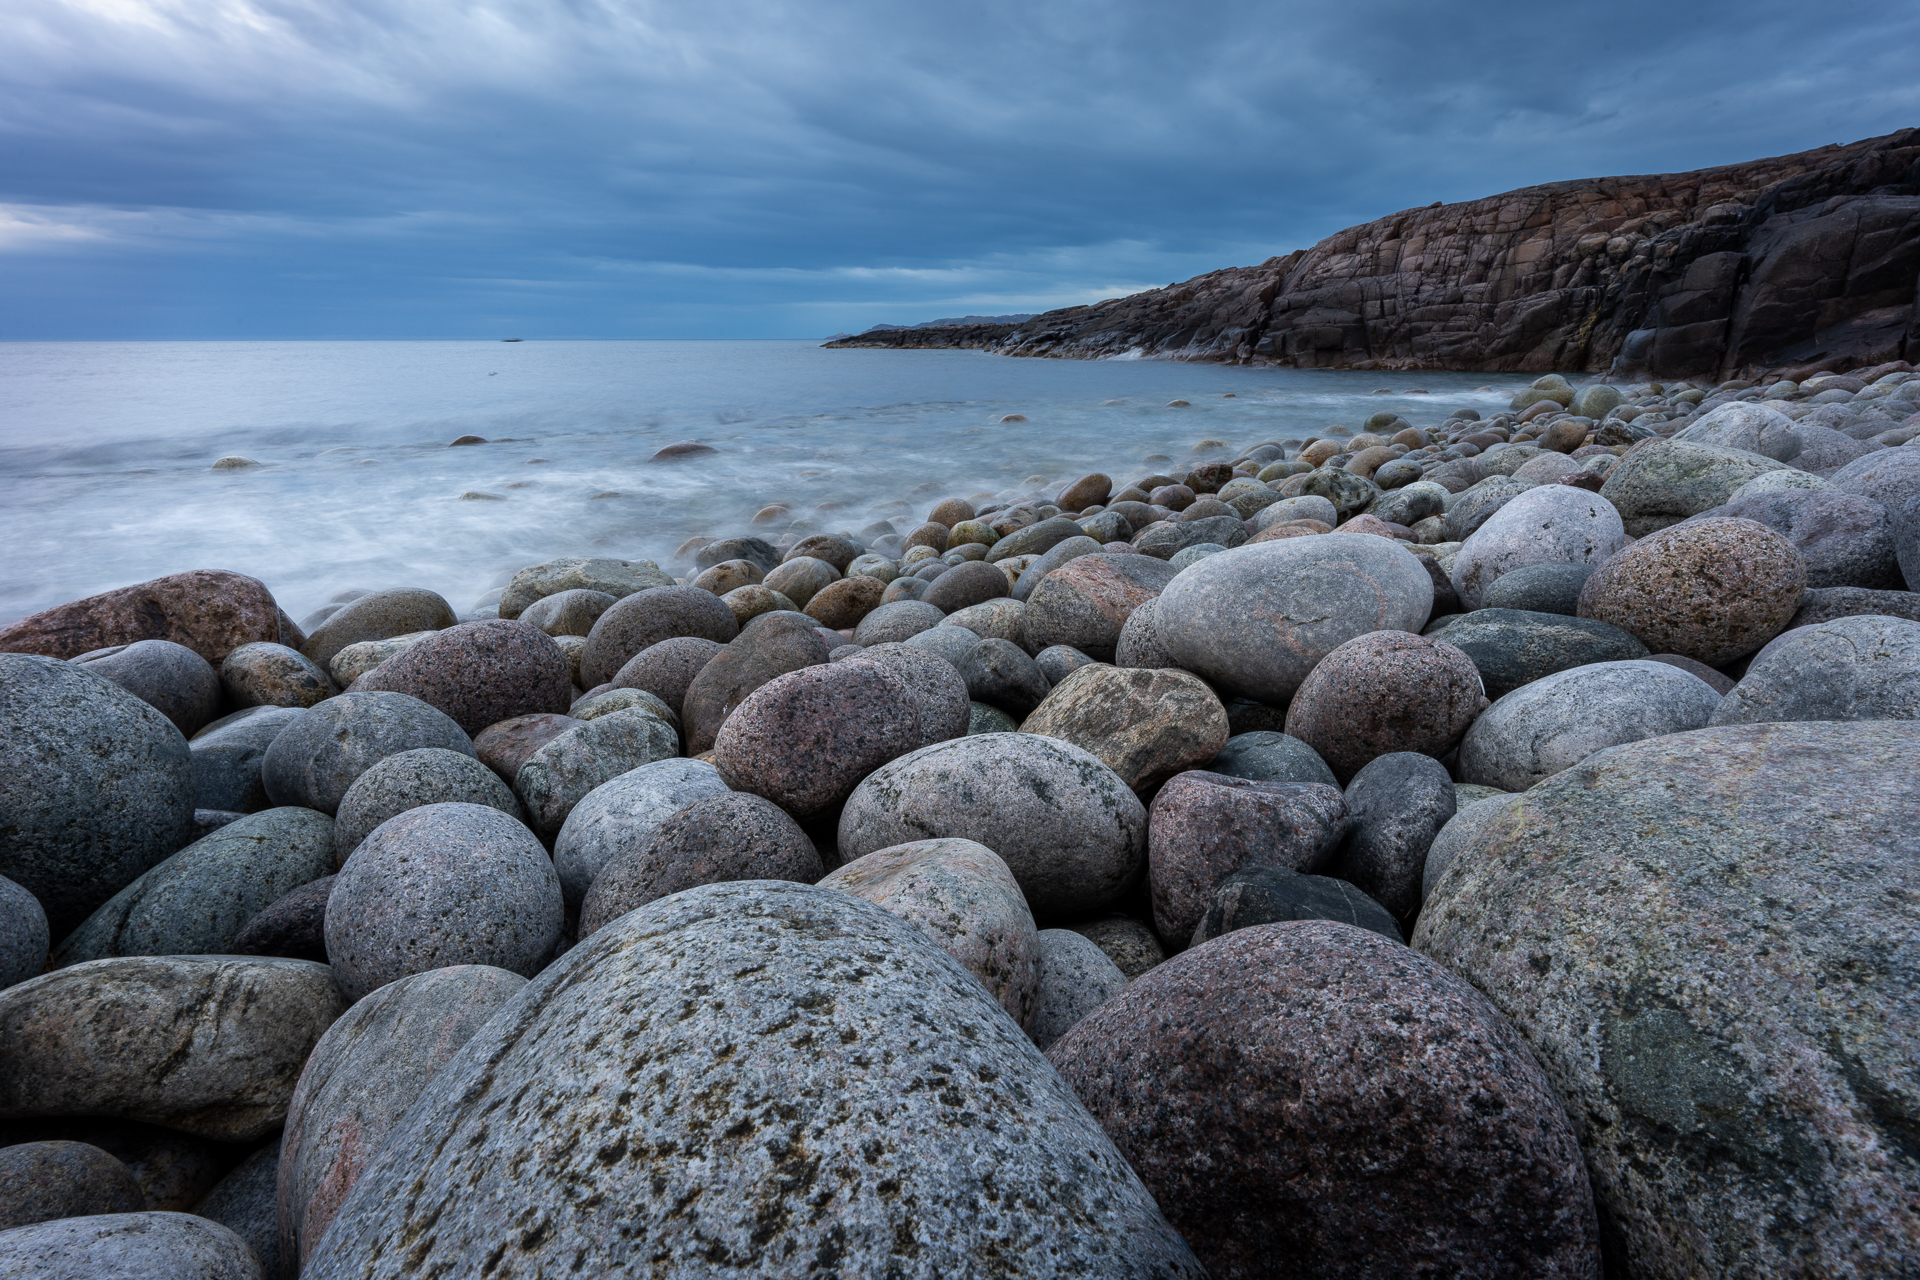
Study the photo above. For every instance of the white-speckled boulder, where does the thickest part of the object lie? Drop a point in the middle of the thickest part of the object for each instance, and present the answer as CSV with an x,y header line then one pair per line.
x,y
128,1246
1864,667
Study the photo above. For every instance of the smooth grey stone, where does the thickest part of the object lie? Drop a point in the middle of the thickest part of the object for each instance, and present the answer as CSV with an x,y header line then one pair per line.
x,y
1824,451
605,704
939,693
757,550
128,1246
1474,506
548,1106
197,901
1035,539
209,1045
364,1074
568,613
1539,588
964,585
441,885
1854,668
1139,645
1905,522
1194,553
1076,977
1000,674
171,678
426,775
1304,507
378,615
1164,541
42,1181
982,718
1058,554
1891,477
1407,503
1399,803
227,758
1752,428
900,620
326,748
949,642
1845,539
565,771
800,579
24,938
1058,661
1551,524
1554,723
623,814
1662,482
1070,829
1514,647
1269,895
1267,755
1460,831
247,1203
1108,526
1128,942
95,786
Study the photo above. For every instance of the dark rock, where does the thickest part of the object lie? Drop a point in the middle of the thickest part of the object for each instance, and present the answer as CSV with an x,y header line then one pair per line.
x,y
378,615
480,673
1076,977
171,678
274,675
1271,895
772,645
982,718
804,740
1539,588
967,584
322,750
1858,668
1824,604
246,1202
24,938
42,1181
1000,674
1511,647
409,779
227,757
1126,941
1389,691
1266,755
757,550
128,1244
292,926
644,619
834,549
174,1171
1058,661
210,611
1720,684
1398,804
505,746
1144,725
1712,590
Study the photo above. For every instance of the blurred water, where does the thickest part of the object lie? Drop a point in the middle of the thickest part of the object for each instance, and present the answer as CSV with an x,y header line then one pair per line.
x,y
105,448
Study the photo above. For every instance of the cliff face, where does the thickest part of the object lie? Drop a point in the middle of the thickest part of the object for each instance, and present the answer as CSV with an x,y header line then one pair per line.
x,y
1795,260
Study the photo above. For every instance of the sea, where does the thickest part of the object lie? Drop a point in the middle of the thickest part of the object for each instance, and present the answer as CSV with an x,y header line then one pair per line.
x,y
107,449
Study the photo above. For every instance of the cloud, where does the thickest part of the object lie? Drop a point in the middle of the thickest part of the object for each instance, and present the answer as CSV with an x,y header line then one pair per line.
x,y
740,167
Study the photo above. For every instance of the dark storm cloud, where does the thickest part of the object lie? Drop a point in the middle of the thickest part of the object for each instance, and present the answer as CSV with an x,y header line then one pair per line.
x,y
448,167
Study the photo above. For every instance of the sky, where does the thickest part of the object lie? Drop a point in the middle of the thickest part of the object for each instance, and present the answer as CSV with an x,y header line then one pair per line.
x,y
187,169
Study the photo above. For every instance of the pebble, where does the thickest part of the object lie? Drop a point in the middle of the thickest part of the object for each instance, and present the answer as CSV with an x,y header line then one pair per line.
x,y
324,749
1269,895
624,814
171,678
292,926
1858,668
1076,977
568,767
1384,692
1146,726
407,780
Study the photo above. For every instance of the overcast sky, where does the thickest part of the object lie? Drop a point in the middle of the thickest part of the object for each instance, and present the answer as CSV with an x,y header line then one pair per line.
x,y
741,168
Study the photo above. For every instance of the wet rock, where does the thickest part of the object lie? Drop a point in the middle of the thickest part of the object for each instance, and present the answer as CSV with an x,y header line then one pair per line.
x,y
364,1074
292,926
96,786
210,611
1270,895
226,758
1076,977
1266,755
642,620
210,1045
273,675
42,1181
1255,621
127,1244
1086,602
1398,803
1127,942
624,814
441,885
505,746
1661,482
804,740
716,965
964,585
568,613
1070,829
772,645
480,673
1858,668
196,901
1712,590
1000,674
964,897
378,615
1205,826
939,693
720,838
897,621
1389,691
1539,588
565,770
1844,539
617,578
1511,647
1552,524
1362,1064
1760,1022
171,678
323,749
408,780
1144,725
668,669
24,936
1556,722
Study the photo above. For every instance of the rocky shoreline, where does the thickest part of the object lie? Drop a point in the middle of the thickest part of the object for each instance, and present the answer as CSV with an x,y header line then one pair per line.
x,y
1477,847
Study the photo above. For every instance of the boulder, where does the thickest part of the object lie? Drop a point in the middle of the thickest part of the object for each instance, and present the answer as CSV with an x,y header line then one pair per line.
x,y
227,756
964,897
1713,590
1389,691
480,673
210,1045
1511,647
1844,539
629,1045
133,1246
891,623
1076,977
210,611
568,613
1000,674
761,552
951,644
1270,895
624,814
1662,482
566,769
1402,1126
441,885
171,678
1129,943
1087,601
96,786
772,645
1398,803
1824,450
1749,428
639,621
1539,588
1001,619
1139,645
1068,827
24,938
427,775
42,1181
599,705
1057,662
1551,725
1661,925
1891,477
1857,668
292,925
1479,503
964,585
1267,755
1551,524
273,675
1254,621
804,740
1824,604
841,605
617,578
378,615
939,693
1146,726
324,749
197,901
1472,814
506,746
800,578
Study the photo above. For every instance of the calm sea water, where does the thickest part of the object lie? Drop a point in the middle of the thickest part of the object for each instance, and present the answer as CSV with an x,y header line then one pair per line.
x,y
106,448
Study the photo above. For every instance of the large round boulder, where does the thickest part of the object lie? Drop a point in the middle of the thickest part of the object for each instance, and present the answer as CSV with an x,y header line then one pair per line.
x,y
1857,668
891,623
1087,601
42,1181
480,673
171,678
1385,1120
644,619
624,814
1846,540
427,775
378,615
665,670
1708,941
1662,482
1550,524
567,768
1255,620
938,691
564,1102
967,584
804,740
325,748
1383,692
210,611
1144,725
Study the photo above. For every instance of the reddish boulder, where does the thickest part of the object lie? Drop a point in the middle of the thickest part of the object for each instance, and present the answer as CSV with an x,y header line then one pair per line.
x,y
804,740
480,673
210,611
1383,692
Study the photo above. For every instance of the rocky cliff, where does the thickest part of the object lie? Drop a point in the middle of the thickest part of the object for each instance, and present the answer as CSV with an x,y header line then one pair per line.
x,y
1802,260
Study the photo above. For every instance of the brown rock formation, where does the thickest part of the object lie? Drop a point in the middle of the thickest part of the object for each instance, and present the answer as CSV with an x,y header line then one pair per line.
x,y
1808,259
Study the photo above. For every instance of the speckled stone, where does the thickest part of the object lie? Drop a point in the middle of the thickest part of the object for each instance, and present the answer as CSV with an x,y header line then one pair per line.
x,y
804,740
273,675
133,1246
1076,977
611,701
210,1045
174,1170
645,618
1267,755
729,575
1858,668
1551,524
967,584
1889,476
292,926
1254,621
1205,826
758,550
480,673
1750,428
568,613
24,937
1470,816
1057,662
1129,943
1661,482
226,758
363,1075
1059,554
1846,540
361,657
1356,1066
841,605
800,578
896,621
965,898
210,611
1139,646
1000,619
731,836
95,786
505,746
990,1158
937,689
1000,674
378,615
1072,832
1144,725
773,645
196,901
1385,692
1707,939
1087,601
441,885
1270,895
325,748
41,1181
171,678
428,775
244,1203
1713,590
949,643
982,718
1824,604
1539,588
667,669
623,815
1513,647
567,768
1399,803
617,578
